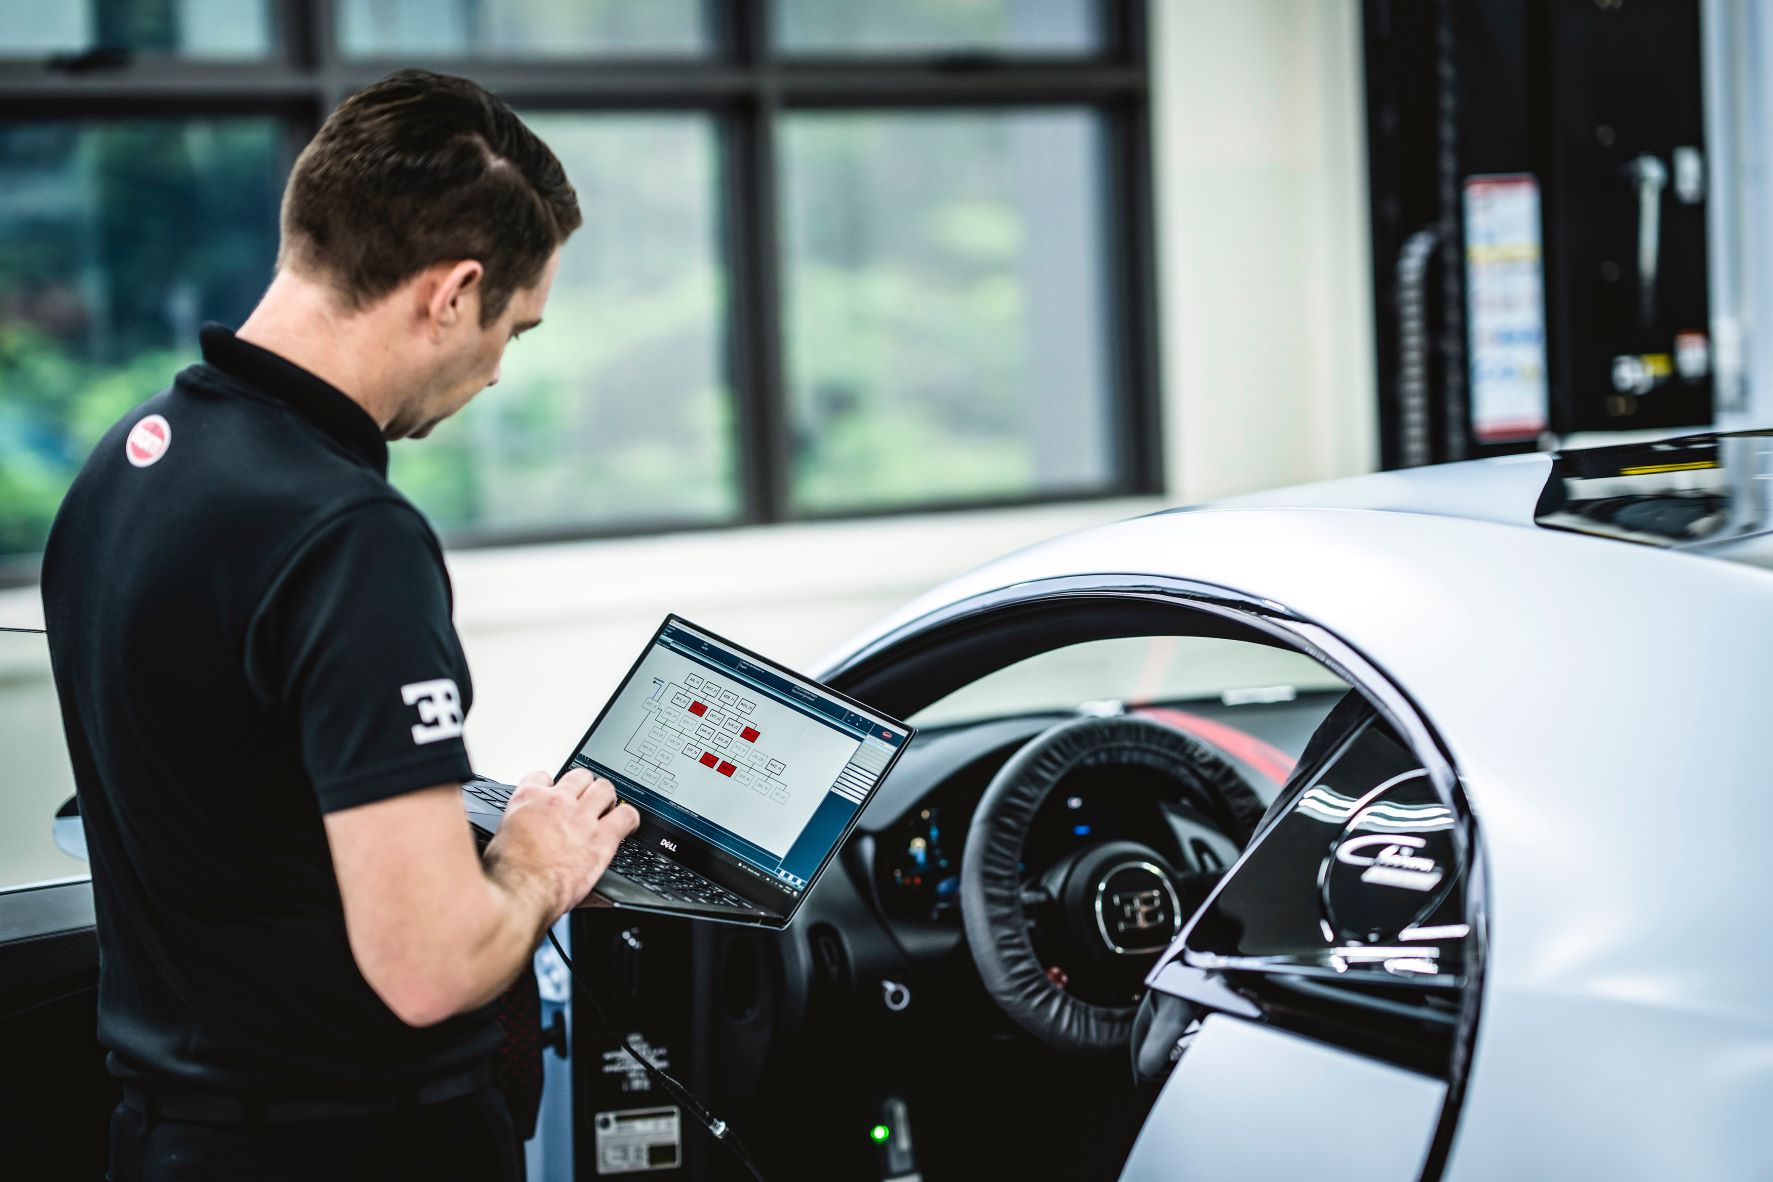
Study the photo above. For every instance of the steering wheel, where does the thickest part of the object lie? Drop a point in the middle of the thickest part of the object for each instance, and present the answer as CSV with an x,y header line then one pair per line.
x,y
1117,902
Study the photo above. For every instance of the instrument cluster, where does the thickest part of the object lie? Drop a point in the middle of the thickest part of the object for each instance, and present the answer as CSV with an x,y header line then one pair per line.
x,y
919,863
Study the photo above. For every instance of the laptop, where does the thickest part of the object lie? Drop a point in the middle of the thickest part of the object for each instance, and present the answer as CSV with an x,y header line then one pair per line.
x,y
747,777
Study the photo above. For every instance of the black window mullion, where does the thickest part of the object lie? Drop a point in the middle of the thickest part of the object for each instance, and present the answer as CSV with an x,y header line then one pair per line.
x,y
1134,254
1124,30
332,81
763,451
306,28
294,24
729,28
1131,249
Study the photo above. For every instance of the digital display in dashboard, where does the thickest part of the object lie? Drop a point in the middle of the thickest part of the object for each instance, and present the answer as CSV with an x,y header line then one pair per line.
x,y
924,860
921,855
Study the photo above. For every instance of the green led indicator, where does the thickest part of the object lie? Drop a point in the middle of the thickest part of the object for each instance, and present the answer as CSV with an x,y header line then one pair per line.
x,y
880,1132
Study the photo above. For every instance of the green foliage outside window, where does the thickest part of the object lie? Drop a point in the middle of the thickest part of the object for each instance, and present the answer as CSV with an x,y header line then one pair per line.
x,y
941,314
117,240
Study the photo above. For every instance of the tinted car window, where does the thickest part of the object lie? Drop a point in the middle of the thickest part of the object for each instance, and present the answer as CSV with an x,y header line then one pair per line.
x,y
1346,920
1364,856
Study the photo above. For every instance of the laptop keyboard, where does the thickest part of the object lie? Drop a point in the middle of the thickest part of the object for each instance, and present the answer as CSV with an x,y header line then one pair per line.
x,y
494,793
668,880
665,878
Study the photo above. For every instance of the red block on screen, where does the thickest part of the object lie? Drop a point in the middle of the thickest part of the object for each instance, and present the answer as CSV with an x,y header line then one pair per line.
x,y
698,707
708,758
749,734
726,769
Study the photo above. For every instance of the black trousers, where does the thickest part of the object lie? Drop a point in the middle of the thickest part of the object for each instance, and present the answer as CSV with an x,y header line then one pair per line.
x,y
466,1138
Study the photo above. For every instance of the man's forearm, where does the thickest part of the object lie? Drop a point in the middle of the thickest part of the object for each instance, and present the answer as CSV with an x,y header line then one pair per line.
x,y
523,908
471,951
436,929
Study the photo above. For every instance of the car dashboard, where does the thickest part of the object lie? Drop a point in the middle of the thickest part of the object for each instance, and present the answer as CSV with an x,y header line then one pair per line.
x,y
909,845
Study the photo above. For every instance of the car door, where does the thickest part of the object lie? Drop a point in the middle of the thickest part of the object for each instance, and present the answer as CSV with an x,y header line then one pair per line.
x,y
59,1096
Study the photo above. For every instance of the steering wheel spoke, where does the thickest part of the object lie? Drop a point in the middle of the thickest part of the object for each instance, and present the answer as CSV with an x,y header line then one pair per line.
x,y
1038,904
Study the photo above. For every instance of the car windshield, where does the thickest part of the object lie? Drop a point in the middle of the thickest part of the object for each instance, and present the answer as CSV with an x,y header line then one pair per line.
x,y
38,778
1135,670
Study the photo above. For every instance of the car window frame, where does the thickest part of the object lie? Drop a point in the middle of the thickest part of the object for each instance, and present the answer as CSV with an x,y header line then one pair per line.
x,y
873,671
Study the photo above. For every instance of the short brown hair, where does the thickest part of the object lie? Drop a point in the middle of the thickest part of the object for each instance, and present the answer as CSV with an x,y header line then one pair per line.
x,y
420,169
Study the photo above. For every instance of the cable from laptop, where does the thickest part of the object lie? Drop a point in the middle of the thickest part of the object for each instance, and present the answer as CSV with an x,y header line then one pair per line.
x,y
717,1128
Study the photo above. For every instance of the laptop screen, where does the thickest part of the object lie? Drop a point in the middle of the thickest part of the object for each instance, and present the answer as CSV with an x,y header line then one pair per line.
x,y
768,769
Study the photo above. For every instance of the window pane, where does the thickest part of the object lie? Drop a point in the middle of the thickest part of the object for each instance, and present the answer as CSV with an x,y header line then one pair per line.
x,y
938,26
184,28
617,408
1139,671
522,28
38,778
944,306
117,239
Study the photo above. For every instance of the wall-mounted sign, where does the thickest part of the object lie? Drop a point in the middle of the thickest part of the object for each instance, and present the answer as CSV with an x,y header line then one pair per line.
x,y
1505,308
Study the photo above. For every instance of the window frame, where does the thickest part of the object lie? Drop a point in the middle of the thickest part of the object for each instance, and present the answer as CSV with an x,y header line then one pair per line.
x,y
743,83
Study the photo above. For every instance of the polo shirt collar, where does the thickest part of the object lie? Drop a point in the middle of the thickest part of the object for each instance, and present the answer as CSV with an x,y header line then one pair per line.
x,y
312,397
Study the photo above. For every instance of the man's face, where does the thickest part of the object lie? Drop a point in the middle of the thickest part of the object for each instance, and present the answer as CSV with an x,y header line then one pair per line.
x,y
467,359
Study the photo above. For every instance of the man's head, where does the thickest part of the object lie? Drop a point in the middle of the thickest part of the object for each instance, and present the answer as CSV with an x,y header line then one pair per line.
x,y
427,201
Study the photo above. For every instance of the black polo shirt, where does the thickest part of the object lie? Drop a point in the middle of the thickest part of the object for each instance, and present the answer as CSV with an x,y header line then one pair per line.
x,y
250,627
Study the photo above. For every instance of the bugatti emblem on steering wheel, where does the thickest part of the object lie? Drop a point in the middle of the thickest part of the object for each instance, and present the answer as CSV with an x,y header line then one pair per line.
x,y
1137,911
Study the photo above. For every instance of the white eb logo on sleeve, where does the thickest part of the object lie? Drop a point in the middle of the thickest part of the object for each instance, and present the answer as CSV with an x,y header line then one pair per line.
x,y
440,709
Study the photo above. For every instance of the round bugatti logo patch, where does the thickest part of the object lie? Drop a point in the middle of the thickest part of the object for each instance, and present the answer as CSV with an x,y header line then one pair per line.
x,y
148,440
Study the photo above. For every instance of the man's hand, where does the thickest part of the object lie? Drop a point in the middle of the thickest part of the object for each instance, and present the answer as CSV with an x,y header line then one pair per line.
x,y
557,839
433,929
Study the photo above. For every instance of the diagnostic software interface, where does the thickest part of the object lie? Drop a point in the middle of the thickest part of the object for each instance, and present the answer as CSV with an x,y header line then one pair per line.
x,y
766,767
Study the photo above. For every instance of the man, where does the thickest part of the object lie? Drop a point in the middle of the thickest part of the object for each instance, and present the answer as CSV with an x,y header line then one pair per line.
x,y
264,694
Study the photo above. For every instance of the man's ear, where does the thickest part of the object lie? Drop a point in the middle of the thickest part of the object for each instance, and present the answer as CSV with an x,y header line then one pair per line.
x,y
455,295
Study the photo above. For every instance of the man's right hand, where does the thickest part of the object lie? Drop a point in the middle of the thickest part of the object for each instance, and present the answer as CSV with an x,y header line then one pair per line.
x,y
557,839
436,930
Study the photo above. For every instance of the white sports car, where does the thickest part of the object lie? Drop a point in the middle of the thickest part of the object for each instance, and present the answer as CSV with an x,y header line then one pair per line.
x,y
1405,827
1493,920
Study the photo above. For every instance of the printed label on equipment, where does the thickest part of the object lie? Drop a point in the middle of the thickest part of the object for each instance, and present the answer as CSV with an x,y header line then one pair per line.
x,y
1505,308
633,1140
620,1064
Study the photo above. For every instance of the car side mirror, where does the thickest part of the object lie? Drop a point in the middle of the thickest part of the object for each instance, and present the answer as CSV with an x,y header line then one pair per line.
x,y
70,830
1159,1030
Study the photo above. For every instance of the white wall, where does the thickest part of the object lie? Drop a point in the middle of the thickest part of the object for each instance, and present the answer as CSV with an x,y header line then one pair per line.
x,y
550,630
1266,322
1267,301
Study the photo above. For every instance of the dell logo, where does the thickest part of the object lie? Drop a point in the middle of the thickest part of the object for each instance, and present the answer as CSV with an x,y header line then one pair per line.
x,y
668,844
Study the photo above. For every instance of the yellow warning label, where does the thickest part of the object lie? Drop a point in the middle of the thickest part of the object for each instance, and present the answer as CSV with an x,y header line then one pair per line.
x,y
1503,252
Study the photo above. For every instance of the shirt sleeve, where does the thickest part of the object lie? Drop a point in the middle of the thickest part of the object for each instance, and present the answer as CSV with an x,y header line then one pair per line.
x,y
361,655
